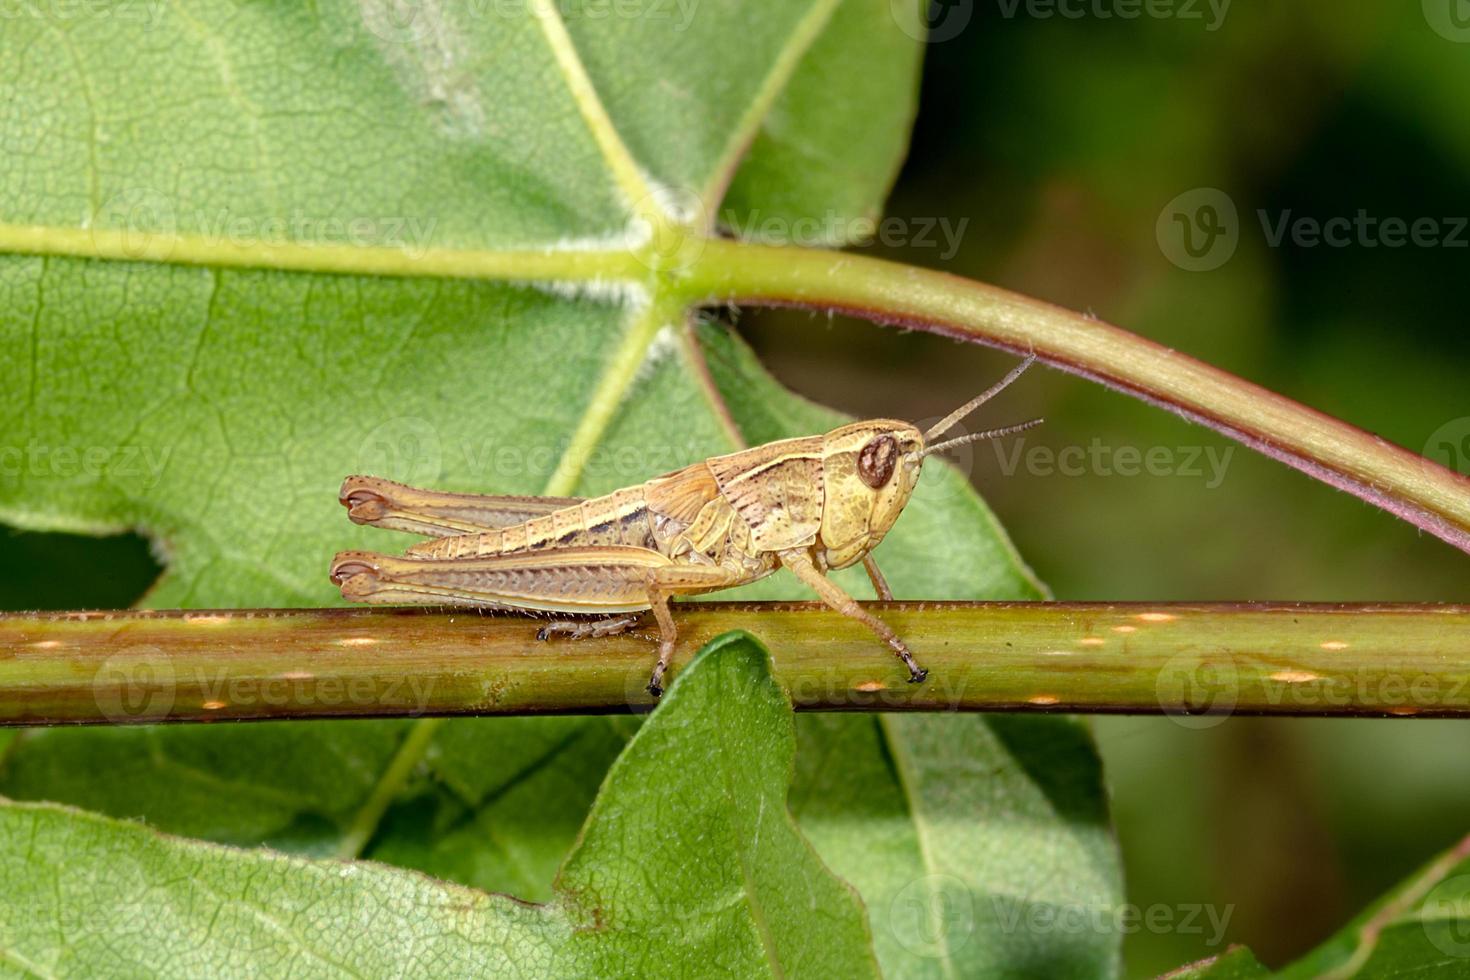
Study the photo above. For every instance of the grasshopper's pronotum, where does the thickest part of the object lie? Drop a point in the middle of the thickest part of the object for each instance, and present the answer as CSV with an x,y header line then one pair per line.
x,y
809,504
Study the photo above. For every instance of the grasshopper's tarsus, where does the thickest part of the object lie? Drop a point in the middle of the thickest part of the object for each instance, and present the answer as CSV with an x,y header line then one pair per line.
x,y
581,629
656,682
917,674
665,655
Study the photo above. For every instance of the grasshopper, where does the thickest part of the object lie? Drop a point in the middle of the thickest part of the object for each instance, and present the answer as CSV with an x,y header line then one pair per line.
x,y
809,504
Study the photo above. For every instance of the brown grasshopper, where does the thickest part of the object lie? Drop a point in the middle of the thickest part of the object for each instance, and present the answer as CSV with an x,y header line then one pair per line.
x,y
809,504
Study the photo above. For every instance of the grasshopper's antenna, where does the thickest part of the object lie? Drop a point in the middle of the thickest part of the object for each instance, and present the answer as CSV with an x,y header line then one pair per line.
x,y
948,422
1005,430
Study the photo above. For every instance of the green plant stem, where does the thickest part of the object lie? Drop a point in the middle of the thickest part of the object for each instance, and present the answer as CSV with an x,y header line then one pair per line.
x,y
144,666
1416,489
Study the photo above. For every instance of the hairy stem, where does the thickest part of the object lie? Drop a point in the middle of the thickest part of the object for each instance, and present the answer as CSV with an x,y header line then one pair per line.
x,y
1186,660
1418,490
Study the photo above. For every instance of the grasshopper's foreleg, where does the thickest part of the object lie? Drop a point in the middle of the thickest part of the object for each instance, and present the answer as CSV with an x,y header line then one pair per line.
x,y
831,593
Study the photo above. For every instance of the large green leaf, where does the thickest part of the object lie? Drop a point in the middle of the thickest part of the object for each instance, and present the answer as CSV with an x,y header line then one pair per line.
x,y
1421,929
689,865
217,408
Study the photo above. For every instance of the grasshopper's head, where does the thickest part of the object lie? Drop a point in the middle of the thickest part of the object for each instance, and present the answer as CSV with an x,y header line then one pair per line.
x,y
870,470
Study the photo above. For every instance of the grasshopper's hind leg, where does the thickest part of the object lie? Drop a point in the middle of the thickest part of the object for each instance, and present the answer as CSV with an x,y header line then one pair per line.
x,y
578,578
582,629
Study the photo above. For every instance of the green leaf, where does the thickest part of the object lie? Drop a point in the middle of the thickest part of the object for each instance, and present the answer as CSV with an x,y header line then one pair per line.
x,y
435,163
689,865
1421,929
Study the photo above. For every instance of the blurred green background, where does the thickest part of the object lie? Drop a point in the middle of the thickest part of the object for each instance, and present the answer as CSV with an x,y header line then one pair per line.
x,y
1060,141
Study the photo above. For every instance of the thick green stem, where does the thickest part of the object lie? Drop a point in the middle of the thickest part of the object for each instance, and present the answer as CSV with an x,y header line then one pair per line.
x,y
1185,660
1428,495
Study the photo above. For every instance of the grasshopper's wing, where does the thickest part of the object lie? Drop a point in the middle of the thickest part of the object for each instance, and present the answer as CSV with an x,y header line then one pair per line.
x,y
383,503
600,580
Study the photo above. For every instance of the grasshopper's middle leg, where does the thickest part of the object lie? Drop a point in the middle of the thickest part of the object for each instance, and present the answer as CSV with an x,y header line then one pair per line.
x,y
831,593
875,575
663,585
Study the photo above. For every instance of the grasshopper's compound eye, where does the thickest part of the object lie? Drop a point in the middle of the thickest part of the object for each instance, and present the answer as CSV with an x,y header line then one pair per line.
x,y
877,461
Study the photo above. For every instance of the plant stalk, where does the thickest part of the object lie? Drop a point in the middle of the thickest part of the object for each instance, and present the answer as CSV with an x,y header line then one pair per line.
x,y
1428,495
1194,661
